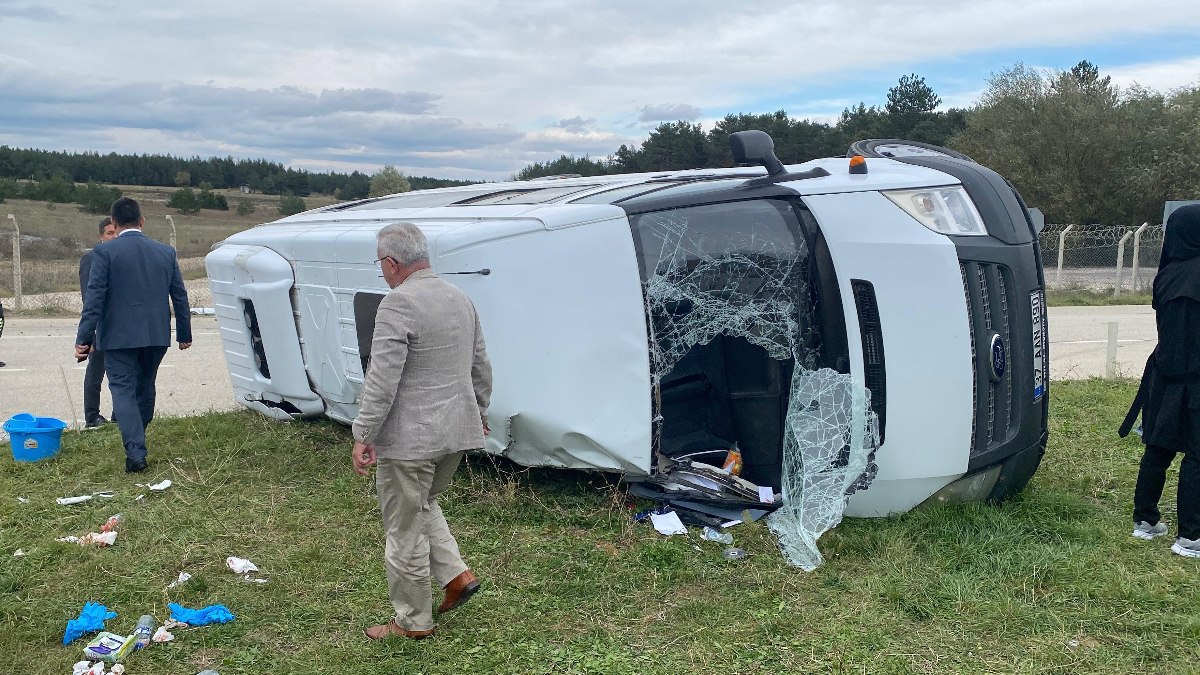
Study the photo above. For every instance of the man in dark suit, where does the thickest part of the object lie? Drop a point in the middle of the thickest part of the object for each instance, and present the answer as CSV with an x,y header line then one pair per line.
x,y
94,375
126,315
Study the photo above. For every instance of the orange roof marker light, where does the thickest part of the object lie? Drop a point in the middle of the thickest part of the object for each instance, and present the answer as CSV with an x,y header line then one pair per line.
x,y
858,164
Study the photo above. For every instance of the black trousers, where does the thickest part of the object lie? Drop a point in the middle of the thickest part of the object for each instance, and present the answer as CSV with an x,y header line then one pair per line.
x,y
131,374
93,377
1152,477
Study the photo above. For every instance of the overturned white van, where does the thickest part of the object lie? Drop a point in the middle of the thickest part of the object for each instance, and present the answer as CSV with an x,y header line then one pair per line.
x,y
865,327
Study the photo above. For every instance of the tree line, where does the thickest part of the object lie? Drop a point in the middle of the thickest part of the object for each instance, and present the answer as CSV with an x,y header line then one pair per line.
x,y
162,170
1073,143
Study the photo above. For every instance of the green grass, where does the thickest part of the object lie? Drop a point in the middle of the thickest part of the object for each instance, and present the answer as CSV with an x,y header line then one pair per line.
x,y
572,585
1086,298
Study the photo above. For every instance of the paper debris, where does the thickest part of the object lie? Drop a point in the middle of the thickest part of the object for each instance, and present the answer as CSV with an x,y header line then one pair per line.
x,y
80,668
162,635
68,539
159,487
66,501
23,500
18,553
668,523
139,497
183,577
98,538
240,565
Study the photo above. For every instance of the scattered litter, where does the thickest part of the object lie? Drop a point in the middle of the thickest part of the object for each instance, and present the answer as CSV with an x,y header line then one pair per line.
x,y
118,669
1083,642
734,553
107,536
183,577
668,523
70,539
18,553
91,618
172,623
240,565
201,617
159,487
712,534
80,668
106,494
66,501
139,497
162,635
766,495
108,647
96,669
733,462
23,500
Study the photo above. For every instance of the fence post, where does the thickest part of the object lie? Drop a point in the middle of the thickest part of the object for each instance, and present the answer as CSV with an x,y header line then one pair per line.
x,y
1062,239
1120,261
16,260
1137,251
172,221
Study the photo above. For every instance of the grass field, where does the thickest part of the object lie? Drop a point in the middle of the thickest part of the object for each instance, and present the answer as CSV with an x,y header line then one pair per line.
x,y
195,233
1049,582
1086,298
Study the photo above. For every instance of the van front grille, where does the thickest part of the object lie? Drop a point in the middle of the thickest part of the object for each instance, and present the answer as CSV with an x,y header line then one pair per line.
x,y
987,288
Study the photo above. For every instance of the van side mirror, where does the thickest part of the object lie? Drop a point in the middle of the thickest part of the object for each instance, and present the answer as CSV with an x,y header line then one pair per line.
x,y
755,147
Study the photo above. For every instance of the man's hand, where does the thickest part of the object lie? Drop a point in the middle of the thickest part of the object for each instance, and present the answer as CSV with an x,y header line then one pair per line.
x,y
81,352
363,456
486,429
184,345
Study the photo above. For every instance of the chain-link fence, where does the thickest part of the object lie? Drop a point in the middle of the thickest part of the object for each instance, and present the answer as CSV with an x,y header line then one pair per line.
x,y
52,286
1101,258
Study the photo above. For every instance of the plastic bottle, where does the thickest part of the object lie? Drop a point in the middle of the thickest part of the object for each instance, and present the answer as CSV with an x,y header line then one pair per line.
x,y
716,535
145,629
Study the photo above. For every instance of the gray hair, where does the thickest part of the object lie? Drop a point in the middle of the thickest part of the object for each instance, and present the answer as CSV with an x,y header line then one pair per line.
x,y
405,243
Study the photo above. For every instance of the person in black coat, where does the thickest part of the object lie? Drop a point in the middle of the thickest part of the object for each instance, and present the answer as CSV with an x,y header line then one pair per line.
x,y
93,377
1169,395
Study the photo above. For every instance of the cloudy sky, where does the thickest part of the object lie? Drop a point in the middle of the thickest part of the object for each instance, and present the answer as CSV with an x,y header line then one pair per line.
x,y
479,89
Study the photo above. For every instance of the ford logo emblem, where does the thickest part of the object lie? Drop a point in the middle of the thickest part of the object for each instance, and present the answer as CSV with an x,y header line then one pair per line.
x,y
999,358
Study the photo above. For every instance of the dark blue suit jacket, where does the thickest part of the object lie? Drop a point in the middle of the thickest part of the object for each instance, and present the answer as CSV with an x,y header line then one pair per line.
x,y
131,279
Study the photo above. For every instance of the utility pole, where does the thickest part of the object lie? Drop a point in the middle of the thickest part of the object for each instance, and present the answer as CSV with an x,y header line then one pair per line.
x,y
172,222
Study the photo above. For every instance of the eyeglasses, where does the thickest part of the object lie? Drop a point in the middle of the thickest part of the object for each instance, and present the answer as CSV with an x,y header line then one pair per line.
x,y
379,263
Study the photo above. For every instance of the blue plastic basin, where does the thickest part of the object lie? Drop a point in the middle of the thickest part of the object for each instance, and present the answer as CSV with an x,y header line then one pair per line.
x,y
34,438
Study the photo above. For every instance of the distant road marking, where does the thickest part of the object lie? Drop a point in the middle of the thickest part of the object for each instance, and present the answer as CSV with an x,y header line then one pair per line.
x,y
13,370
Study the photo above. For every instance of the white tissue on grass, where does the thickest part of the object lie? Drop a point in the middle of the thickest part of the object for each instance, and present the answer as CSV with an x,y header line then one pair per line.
x,y
162,635
66,501
240,565
183,577
668,523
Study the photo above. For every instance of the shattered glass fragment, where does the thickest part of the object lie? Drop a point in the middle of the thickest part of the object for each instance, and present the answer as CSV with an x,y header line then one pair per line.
x,y
736,270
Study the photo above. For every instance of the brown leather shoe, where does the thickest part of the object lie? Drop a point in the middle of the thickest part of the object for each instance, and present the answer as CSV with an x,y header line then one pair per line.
x,y
459,590
392,628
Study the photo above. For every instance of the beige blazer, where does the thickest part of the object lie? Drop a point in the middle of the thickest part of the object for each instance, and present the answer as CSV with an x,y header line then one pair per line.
x,y
429,381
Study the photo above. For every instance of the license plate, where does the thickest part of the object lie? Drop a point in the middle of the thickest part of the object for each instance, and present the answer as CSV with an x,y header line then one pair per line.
x,y
1037,307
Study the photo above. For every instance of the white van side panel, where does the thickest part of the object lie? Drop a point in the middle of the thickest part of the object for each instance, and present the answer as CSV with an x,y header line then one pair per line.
x,y
564,318
927,344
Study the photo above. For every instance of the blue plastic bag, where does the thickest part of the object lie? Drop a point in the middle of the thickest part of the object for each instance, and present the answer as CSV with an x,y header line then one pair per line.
x,y
201,617
91,618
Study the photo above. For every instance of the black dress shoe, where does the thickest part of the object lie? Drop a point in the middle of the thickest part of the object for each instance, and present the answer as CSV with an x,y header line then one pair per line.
x,y
135,467
92,424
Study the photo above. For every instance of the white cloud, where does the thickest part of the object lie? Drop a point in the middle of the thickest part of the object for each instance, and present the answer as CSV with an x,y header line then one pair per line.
x,y
487,87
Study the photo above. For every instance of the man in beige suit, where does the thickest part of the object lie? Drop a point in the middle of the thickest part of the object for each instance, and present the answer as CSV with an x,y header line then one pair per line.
x,y
424,404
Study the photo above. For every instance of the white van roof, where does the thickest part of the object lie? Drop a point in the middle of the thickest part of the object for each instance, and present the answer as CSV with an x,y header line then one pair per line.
x,y
578,199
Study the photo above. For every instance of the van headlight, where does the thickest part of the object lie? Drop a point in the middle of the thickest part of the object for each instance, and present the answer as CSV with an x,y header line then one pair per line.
x,y
946,210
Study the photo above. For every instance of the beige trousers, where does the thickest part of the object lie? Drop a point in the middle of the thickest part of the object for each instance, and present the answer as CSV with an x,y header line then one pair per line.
x,y
418,541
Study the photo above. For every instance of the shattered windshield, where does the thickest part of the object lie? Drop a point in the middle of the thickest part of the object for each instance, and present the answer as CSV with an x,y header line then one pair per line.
x,y
731,315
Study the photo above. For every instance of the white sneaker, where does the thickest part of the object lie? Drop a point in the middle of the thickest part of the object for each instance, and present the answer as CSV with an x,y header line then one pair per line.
x,y
1188,548
1144,530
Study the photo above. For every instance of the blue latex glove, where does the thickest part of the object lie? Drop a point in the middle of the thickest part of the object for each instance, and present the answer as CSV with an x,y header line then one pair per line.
x,y
200,617
91,618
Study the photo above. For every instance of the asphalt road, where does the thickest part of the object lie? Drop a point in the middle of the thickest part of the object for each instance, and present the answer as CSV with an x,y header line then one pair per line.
x,y
39,353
